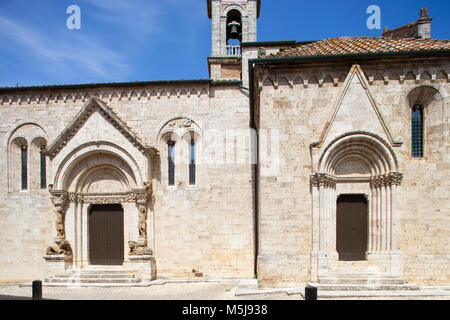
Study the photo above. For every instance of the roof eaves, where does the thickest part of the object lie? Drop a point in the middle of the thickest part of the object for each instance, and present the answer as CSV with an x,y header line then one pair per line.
x,y
352,55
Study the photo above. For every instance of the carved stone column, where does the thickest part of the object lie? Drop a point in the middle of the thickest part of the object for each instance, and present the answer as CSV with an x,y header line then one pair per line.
x,y
327,255
62,247
140,255
140,247
58,256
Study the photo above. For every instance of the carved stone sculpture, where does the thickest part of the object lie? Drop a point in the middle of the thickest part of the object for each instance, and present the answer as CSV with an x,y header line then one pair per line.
x,y
138,249
59,223
142,224
60,248
262,53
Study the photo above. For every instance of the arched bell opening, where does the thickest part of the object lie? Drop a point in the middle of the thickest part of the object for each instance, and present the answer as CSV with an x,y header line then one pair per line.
x,y
234,28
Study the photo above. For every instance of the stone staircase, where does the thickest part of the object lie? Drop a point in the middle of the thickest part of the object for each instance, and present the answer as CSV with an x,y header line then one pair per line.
x,y
361,282
94,278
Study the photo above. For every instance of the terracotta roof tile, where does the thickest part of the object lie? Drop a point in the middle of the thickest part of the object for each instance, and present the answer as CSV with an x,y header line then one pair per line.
x,y
359,45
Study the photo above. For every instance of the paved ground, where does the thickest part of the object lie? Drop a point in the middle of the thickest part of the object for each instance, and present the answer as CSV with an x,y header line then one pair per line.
x,y
168,291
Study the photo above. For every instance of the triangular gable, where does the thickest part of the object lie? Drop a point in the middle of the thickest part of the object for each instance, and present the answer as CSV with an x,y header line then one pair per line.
x,y
356,82
95,104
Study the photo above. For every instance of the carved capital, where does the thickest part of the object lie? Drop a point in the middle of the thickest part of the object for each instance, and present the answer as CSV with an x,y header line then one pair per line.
x,y
323,180
384,180
395,178
59,198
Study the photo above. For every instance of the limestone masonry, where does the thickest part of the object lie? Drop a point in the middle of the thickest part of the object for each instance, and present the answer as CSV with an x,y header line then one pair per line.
x,y
294,161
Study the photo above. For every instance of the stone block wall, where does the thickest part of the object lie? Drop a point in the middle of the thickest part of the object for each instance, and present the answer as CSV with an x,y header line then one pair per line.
x,y
296,104
207,228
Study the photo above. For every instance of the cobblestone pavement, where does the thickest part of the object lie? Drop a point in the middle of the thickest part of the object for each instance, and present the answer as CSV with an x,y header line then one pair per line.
x,y
168,291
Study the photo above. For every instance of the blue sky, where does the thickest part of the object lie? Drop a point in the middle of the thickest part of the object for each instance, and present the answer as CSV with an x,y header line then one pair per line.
x,y
140,40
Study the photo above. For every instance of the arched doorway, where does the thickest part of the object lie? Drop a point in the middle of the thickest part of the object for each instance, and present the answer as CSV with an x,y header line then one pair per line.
x,y
106,241
356,173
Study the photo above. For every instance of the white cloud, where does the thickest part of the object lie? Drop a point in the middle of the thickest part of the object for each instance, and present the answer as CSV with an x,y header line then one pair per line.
x,y
61,54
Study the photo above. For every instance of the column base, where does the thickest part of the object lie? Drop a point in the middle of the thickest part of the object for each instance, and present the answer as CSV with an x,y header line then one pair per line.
x,y
326,261
390,262
57,264
145,265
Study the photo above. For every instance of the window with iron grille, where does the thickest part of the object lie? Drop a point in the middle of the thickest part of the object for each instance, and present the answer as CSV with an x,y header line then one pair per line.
x,y
192,164
171,163
417,131
43,170
24,168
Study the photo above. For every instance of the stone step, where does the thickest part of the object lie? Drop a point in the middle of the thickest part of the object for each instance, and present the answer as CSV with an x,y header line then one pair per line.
x,y
93,276
359,275
371,281
90,284
92,280
411,294
364,287
101,271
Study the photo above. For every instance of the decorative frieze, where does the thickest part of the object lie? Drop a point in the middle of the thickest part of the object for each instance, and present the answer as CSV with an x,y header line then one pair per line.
x,y
319,78
110,95
108,198
324,179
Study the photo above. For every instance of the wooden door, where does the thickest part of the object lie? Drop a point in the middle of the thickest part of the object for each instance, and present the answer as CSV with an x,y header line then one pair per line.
x,y
351,225
106,235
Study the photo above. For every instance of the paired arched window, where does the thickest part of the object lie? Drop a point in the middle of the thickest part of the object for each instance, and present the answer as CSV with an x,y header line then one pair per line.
x,y
179,140
171,162
27,164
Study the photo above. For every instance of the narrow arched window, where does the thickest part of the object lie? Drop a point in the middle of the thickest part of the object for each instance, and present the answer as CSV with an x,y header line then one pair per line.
x,y
417,131
43,169
24,171
171,163
192,162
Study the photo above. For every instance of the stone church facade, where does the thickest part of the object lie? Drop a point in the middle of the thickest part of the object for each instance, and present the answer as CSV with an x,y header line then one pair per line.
x,y
295,159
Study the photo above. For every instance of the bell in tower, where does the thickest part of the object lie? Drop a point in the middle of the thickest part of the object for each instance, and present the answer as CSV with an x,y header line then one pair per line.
x,y
233,22
233,32
234,26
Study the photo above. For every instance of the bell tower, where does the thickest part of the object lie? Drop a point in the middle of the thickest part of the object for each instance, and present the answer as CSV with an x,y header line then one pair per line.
x,y
233,22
